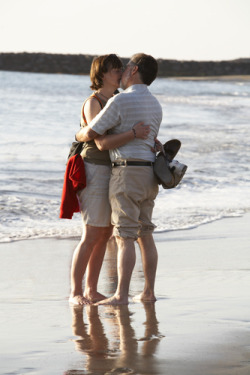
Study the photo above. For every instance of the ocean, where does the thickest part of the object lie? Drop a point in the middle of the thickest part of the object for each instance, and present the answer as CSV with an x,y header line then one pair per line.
x,y
40,114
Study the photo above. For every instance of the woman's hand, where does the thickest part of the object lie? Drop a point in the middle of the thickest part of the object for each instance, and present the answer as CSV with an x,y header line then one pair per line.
x,y
141,131
157,147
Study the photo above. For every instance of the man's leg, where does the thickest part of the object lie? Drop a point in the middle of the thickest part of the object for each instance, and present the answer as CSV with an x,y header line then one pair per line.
x,y
125,266
149,261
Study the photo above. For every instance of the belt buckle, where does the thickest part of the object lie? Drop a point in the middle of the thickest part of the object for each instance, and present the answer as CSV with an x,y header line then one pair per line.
x,y
122,163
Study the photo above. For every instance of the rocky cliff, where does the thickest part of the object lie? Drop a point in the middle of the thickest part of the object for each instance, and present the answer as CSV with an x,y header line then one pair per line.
x,y
80,64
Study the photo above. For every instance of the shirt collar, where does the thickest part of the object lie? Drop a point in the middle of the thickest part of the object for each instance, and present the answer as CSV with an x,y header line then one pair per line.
x,y
139,87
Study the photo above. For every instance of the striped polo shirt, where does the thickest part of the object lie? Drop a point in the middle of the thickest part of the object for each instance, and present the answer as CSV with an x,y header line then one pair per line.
x,y
123,111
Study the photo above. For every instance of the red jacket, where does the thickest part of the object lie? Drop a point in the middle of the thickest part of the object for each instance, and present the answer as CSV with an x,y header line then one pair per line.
x,y
74,180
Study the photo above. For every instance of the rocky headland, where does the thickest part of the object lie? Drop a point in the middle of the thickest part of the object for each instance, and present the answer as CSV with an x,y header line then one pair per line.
x,y
80,64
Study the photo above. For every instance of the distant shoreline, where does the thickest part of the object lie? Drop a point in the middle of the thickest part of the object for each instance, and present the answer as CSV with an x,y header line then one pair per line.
x,y
80,64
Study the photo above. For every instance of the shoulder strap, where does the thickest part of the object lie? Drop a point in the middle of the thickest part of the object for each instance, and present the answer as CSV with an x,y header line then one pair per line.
x,y
99,100
91,96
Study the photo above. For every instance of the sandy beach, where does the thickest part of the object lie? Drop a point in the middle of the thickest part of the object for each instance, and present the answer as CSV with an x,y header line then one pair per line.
x,y
199,325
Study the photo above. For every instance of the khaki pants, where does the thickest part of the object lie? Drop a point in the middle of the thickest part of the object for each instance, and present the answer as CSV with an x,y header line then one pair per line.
x,y
132,191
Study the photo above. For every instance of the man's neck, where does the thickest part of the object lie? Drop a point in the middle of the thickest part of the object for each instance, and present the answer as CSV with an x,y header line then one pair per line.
x,y
136,80
133,82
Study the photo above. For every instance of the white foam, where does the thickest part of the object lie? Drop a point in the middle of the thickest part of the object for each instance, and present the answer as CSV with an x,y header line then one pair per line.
x,y
208,117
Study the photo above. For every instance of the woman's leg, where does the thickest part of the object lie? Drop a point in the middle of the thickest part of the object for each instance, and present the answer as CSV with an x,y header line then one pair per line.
x,y
95,264
80,261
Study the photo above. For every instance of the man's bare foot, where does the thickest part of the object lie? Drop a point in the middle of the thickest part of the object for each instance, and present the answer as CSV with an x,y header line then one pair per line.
x,y
79,300
144,297
94,296
113,301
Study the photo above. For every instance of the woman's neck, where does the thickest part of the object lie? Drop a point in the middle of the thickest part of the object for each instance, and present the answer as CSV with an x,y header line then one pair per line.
x,y
105,93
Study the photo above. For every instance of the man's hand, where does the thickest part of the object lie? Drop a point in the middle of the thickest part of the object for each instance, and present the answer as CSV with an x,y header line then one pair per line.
x,y
86,134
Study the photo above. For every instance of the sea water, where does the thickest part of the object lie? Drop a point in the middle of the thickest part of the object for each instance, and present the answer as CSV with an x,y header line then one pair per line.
x,y
40,114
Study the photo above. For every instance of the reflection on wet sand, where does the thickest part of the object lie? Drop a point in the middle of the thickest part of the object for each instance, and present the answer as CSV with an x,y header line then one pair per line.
x,y
109,342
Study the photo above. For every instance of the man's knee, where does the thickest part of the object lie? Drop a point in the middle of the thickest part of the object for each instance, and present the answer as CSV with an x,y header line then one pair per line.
x,y
123,241
126,233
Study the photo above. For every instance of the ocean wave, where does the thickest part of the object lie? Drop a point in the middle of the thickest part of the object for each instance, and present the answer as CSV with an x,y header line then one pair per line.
x,y
218,101
65,229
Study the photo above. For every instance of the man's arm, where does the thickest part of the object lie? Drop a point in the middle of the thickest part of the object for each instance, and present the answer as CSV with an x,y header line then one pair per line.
x,y
86,134
103,121
111,141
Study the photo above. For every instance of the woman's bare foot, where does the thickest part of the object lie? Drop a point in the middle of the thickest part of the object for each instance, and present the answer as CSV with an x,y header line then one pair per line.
x,y
114,301
144,297
79,300
94,296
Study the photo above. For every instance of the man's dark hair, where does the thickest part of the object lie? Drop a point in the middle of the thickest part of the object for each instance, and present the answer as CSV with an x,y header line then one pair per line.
x,y
147,67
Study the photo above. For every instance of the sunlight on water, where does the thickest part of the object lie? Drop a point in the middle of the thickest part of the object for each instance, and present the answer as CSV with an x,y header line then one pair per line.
x,y
211,118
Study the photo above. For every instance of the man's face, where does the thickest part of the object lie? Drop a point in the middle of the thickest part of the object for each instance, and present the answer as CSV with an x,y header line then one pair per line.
x,y
126,75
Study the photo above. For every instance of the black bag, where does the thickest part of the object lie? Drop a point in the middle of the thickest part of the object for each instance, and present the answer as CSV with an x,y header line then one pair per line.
x,y
169,172
76,148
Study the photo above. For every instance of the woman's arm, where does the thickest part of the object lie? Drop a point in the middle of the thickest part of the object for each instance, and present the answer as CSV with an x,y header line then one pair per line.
x,y
111,141
91,109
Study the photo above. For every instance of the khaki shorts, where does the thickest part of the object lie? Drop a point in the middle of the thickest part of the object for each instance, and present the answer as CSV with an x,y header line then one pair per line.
x,y
94,199
132,191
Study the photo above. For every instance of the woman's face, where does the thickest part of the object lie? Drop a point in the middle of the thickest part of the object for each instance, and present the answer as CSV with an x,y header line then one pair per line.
x,y
112,77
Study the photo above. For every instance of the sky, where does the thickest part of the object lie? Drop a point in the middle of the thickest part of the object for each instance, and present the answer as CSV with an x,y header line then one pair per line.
x,y
169,29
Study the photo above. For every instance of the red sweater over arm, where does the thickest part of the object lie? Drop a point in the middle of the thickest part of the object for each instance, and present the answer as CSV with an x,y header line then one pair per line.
x,y
74,180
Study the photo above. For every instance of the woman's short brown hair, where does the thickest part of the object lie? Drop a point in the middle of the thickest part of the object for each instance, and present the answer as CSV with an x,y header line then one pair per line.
x,y
100,65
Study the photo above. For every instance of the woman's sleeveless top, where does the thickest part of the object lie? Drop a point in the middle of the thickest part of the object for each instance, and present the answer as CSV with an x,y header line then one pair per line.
x,y
90,152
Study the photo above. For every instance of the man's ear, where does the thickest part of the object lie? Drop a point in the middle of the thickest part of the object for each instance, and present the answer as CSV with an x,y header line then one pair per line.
x,y
134,70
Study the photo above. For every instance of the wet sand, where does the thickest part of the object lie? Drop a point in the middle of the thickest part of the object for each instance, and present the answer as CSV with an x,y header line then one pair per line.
x,y
200,324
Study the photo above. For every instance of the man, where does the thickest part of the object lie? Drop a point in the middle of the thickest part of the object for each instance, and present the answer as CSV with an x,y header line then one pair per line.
x,y
133,186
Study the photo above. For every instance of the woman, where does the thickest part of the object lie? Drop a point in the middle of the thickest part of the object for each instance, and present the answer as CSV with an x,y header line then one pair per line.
x,y
105,75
